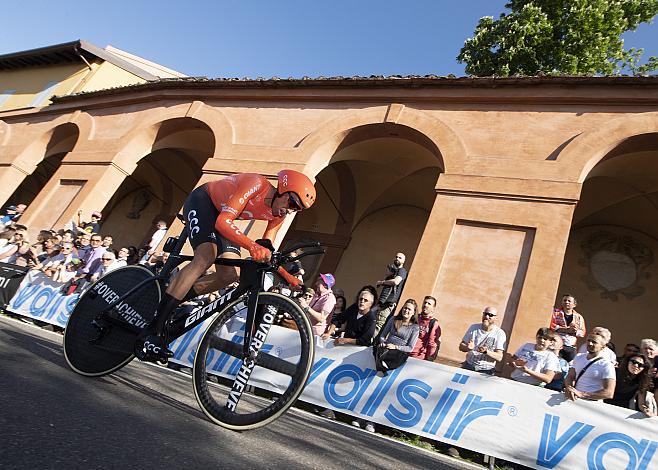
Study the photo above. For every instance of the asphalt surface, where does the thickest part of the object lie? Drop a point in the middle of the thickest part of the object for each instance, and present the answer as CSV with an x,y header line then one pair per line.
x,y
146,417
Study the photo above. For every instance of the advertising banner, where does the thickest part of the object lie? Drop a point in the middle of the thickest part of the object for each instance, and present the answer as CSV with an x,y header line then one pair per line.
x,y
39,297
495,416
10,278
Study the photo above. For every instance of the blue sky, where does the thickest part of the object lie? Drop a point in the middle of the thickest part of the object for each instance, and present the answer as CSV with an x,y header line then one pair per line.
x,y
261,38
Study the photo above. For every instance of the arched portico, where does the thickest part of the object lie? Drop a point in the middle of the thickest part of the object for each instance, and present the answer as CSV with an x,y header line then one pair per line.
x,y
22,181
588,149
610,260
319,147
374,197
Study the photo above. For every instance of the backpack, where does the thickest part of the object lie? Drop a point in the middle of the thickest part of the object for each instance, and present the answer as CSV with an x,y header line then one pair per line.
x,y
438,343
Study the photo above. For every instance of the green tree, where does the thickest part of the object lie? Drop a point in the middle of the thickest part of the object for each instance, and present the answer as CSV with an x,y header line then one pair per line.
x,y
559,37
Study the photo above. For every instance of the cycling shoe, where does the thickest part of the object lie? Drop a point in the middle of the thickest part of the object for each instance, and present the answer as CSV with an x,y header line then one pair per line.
x,y
152,348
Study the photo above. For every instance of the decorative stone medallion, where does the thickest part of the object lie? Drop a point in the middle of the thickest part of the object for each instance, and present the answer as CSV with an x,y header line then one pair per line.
x,y
616,264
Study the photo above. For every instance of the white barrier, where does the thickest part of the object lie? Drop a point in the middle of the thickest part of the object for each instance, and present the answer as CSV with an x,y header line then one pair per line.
x,y
40,298
491,415
495,416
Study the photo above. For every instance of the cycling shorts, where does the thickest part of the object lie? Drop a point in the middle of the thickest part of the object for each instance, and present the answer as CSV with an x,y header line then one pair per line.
x,y
200,217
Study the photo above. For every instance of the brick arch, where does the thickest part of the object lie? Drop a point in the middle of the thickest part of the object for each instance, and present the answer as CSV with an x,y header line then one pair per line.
x,y
584,152
139,142
318,147
34,152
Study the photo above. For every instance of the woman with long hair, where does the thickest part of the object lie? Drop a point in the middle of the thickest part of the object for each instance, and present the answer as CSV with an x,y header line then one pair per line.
x,y
398,338
632,378
339,308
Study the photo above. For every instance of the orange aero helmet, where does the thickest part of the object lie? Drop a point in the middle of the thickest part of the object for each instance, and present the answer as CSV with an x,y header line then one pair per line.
x,y
298,183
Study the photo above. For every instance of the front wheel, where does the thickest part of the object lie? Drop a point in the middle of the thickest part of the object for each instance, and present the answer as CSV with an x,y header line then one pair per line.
x,y
280,369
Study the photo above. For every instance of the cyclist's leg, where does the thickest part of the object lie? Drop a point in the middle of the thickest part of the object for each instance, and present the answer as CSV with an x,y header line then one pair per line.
x,y
152,344
222,277
200,214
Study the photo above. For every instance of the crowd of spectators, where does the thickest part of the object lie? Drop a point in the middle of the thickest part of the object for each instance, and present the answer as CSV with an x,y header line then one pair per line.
x,y
82,252
552,360
76,254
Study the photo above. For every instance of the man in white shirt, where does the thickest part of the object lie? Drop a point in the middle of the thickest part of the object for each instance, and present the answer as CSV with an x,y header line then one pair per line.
x,y
484,344
534,363
161,230
591,376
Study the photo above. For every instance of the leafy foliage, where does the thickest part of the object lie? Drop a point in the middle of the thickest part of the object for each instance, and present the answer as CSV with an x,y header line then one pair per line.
x,y
559,37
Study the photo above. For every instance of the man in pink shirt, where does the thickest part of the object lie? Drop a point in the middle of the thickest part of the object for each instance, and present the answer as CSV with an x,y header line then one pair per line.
x,y
322,304
429,338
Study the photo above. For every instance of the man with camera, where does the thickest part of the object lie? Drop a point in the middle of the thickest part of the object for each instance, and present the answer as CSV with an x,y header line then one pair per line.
x,y
392,287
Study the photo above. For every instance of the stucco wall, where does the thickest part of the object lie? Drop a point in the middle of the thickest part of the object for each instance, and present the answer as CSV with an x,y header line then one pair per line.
x,y
491,230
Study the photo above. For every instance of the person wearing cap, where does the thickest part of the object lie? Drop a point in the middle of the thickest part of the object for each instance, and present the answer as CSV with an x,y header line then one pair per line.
x,y
93,226
321,306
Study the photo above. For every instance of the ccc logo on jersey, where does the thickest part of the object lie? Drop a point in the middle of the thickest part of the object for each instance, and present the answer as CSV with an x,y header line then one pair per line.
x,y
193,223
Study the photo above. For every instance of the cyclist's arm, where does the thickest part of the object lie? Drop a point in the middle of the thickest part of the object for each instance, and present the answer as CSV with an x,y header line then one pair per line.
x,y
226,227
272,228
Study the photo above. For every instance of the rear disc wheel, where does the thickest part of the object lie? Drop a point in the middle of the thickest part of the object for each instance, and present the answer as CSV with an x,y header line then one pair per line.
x,y
90,353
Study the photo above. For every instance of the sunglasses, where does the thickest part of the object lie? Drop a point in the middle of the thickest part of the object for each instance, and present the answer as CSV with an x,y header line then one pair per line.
x,y
294,203
637,363
490,315
106,259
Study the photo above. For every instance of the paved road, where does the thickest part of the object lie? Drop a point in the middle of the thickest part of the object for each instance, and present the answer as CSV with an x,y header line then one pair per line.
x,y
146,417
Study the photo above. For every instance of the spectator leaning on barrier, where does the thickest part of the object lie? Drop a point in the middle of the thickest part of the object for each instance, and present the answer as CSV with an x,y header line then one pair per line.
x,y
632,376
357,327
484,344
569,324
398,338
92,261
391,289
429,332
357,324
534,363
591,376
607,353
555,345
322,304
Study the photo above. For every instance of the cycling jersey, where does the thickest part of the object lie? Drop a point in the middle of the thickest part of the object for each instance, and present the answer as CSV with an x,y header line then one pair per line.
x,y
242,197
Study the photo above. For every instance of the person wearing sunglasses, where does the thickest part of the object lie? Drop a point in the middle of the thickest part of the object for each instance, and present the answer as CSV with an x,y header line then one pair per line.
x,y
484,344
632,376
210,213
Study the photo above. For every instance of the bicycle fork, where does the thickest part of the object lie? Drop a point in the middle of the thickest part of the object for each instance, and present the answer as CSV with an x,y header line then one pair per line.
x,y
253,342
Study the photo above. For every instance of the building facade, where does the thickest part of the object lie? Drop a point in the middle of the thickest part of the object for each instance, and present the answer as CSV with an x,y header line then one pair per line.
x,y
501,192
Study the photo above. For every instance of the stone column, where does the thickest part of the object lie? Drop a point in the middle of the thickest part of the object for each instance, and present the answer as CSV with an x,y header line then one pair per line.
x,y
493,242
84,181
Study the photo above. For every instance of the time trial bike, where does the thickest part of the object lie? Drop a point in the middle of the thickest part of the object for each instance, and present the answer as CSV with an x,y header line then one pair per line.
x,y
260,368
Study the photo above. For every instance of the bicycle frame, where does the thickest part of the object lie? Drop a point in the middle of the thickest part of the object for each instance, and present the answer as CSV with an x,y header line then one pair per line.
x,y
251,279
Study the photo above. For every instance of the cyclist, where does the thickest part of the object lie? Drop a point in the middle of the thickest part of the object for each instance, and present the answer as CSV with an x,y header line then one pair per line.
x,y
210,212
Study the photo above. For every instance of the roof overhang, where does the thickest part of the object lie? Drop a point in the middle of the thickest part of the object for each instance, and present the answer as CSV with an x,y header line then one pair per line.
x,y
67,53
